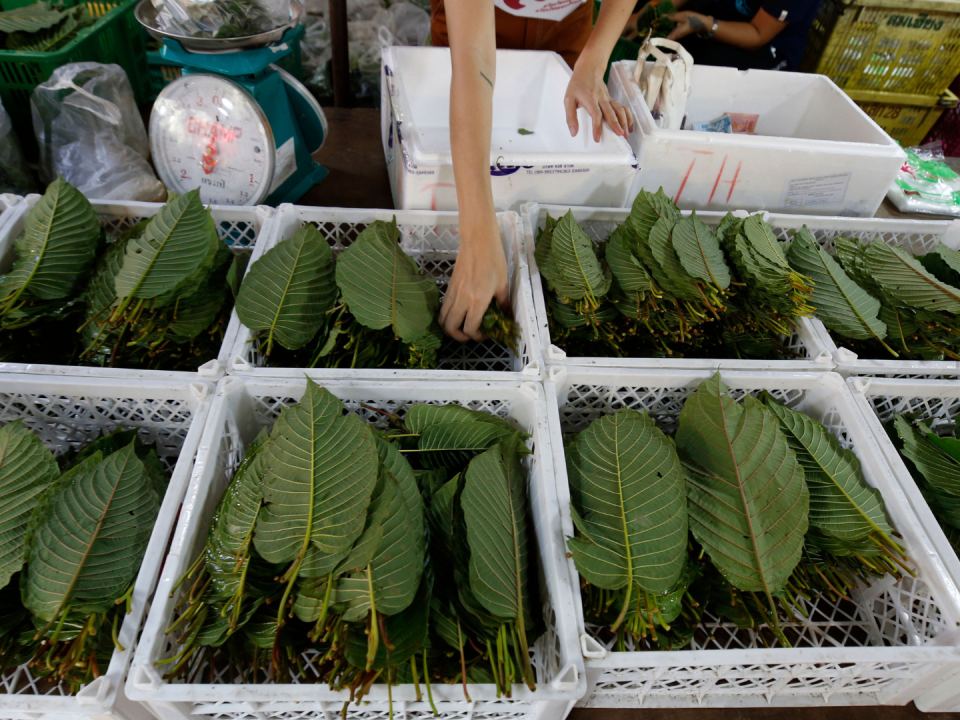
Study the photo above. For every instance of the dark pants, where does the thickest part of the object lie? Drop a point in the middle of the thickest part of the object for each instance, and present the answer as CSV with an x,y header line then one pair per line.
x,y
712,52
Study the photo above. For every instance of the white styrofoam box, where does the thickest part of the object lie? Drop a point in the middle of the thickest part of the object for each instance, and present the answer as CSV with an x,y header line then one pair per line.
x,y
547,165
814,151
937,402
895,641
432,239
916,237
598,223
245,405
68,413
239,227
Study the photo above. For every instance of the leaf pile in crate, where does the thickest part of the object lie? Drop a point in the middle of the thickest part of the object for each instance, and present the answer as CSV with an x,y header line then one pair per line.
x,y
934,462
402,556
72,537
43,26
653,20
667,285
369,307
751,511
154,298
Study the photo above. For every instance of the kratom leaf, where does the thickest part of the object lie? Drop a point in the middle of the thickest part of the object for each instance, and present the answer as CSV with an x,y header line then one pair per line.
x,y
44,40
646,210
677,281
196,312
746,495
320,468
841,502
88,544
420,417
902,277
452,445
407,632
399,469
445,623
382,285
630,273
59,240
236,273
941,471
27,468
287,292
699,252
841,304
764,243
31,18
577,262
179,242
632,514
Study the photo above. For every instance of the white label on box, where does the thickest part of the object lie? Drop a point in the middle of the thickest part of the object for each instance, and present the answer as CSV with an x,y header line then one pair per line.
x,y
820,190
286,164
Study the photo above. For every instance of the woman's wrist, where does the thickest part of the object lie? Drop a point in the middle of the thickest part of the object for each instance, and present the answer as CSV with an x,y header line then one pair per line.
x,y
590,62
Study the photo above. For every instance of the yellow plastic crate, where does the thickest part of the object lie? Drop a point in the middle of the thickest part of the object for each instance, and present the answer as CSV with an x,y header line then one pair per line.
x,y
886,45
906,118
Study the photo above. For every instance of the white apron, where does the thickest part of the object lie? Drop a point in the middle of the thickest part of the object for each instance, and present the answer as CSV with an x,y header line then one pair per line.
x,y
539,9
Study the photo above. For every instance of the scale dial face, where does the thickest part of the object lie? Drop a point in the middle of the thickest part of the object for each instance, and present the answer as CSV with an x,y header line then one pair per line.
x,y
207,132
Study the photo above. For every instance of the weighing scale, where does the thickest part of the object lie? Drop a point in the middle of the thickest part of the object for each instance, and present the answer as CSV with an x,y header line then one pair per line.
x,y
234,124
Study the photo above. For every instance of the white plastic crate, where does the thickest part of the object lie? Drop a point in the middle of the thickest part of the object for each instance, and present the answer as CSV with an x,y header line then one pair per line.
x,y
239,227
880,400
598,223
814,151
432,239
245,405
69,413
545,165
895,641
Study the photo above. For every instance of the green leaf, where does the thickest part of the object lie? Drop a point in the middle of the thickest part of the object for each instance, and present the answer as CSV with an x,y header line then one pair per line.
x,y
382,285
27,468
676,280
44,40
746,495
632,514
235,275
630,273
764,243
286,293
420,417
320,468
939,469
524,131
31,18
841,502
87,546
406,631
699,252
841,304
646,210
576,261
452,445
178,242
399,469
59,241
905,279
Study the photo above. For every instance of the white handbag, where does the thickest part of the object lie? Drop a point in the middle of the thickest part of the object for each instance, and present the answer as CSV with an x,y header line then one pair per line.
x,y
665,83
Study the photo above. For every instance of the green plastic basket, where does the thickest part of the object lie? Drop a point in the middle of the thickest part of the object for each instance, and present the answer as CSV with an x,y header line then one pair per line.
x,y
116,37
163,71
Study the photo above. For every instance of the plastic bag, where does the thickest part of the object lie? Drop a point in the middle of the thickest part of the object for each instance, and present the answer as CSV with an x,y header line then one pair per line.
x,y
90,132
411,24
221,18
15,175
925,183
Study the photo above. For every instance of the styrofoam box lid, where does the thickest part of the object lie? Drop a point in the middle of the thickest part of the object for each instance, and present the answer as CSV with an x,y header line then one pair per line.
x,y
796,111
528,93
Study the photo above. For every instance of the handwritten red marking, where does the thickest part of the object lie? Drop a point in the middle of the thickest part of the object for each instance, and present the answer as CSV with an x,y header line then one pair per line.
x,y
433,192
684,183
717,182
733,183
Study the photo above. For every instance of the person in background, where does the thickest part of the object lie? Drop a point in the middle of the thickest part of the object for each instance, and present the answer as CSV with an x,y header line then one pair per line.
x,y
474,29
746,34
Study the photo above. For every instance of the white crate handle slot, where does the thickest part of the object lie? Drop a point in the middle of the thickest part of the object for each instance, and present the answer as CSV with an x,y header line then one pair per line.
x,y
146,678
567,679
95,693
591,648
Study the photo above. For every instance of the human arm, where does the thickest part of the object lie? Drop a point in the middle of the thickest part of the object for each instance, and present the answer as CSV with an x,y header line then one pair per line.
x,y
480,273
586,88
751,35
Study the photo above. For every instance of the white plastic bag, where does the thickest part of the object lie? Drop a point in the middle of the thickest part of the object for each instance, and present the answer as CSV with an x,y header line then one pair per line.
x,y
221,18
90,132
15,175
665,84
925,183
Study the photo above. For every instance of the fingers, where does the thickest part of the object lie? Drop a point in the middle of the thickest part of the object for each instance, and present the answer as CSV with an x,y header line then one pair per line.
x,y
677,17
596,115
471,326
452,315
624,116
570,105
610,115
503,298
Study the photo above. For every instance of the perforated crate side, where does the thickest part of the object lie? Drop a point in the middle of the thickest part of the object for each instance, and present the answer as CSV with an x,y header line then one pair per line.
x,y
243,406
432,239
67,414
238,227
894,642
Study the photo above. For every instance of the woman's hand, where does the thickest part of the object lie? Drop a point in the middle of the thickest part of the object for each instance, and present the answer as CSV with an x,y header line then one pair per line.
x,y
587,90
689,23
479,275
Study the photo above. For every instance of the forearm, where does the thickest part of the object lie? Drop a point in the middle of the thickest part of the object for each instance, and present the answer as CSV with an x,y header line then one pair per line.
x,y
743,35
473,52
610,22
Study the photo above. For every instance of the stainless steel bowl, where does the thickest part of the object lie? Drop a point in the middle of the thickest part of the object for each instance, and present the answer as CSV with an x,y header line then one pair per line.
x,y
146,15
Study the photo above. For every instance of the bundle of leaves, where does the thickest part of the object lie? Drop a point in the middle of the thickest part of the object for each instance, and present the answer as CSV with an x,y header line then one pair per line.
x,y
934,462
370,307
43,26
653,20
662,285
73,537
752,511
882,301
381,555
154,298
